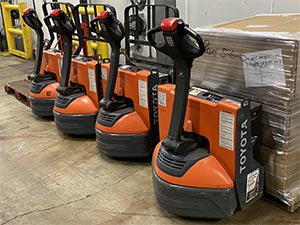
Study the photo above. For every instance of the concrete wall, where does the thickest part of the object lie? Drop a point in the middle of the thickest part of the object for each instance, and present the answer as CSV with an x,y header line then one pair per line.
x,y
118,4
204,12
286,6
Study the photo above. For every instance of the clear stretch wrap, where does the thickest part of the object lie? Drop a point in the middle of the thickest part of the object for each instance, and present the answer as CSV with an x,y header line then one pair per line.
x,y
259,58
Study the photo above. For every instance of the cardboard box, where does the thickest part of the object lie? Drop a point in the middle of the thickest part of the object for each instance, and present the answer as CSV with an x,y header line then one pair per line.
x,y
259,58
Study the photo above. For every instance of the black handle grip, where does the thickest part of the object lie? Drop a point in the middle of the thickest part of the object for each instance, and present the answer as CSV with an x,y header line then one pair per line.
x,y
31,19
151,34
196,50
109,28
65,27
48,23
112,31
62,22
180,40
70,11
183,45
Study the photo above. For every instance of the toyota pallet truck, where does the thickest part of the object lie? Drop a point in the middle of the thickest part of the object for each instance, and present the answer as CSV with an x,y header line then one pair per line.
x,y
204,166
43,86
80,90
127,120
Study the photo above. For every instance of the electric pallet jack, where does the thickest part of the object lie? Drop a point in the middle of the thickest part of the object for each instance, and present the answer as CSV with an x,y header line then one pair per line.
x,y
203,167
80,89
127,123
45,76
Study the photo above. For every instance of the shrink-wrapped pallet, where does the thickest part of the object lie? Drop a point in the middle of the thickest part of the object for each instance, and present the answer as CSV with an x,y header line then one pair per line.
x,y
259,58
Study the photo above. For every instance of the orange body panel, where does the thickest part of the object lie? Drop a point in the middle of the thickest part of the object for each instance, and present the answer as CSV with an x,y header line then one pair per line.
x,y
48,92
127,85
205,173
84,73
130,123
50,63
81,105
202,117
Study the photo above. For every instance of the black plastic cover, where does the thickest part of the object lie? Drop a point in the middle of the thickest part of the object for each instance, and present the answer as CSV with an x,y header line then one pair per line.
x,y
108,118
62,101
212,203
176,164
124,145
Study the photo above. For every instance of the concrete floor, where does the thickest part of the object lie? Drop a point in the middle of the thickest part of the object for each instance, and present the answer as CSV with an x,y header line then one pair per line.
x,y
48,178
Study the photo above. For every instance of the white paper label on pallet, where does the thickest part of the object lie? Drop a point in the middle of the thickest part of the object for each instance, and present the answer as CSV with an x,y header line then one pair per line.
x,y
252,188
226,130
103,73
264,68
143,94
162,98
92,81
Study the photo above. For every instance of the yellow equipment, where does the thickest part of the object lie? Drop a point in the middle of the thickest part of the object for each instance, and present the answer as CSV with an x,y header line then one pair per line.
x,y
11,30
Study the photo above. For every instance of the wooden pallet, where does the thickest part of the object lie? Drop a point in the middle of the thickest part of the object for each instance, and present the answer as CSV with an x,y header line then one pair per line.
x,y
20,89
281,203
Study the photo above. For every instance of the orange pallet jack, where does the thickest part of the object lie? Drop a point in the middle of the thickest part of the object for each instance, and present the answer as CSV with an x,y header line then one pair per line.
x,y
80,89
45,76
204,166
127,120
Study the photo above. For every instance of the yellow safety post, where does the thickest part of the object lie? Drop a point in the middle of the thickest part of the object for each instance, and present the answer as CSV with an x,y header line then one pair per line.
x,y
67,9
11,31
89,9
100,47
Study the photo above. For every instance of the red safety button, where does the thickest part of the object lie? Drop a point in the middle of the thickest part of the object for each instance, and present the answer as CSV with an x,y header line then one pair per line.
x,y
26,11
102,15
169,24
55,12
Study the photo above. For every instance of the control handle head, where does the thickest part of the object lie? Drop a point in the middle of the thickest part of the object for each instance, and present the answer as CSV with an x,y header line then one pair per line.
x,y
107,26
62,23
31,19
179,41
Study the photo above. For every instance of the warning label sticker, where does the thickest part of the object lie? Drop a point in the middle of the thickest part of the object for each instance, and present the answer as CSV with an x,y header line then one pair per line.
x,y
103,73
162,98
195,92
226,129
60,65
143,94
252,187
92,81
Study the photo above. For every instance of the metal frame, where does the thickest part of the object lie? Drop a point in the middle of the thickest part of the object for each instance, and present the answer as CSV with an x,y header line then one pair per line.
x,y
92,42
151,22
69,9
